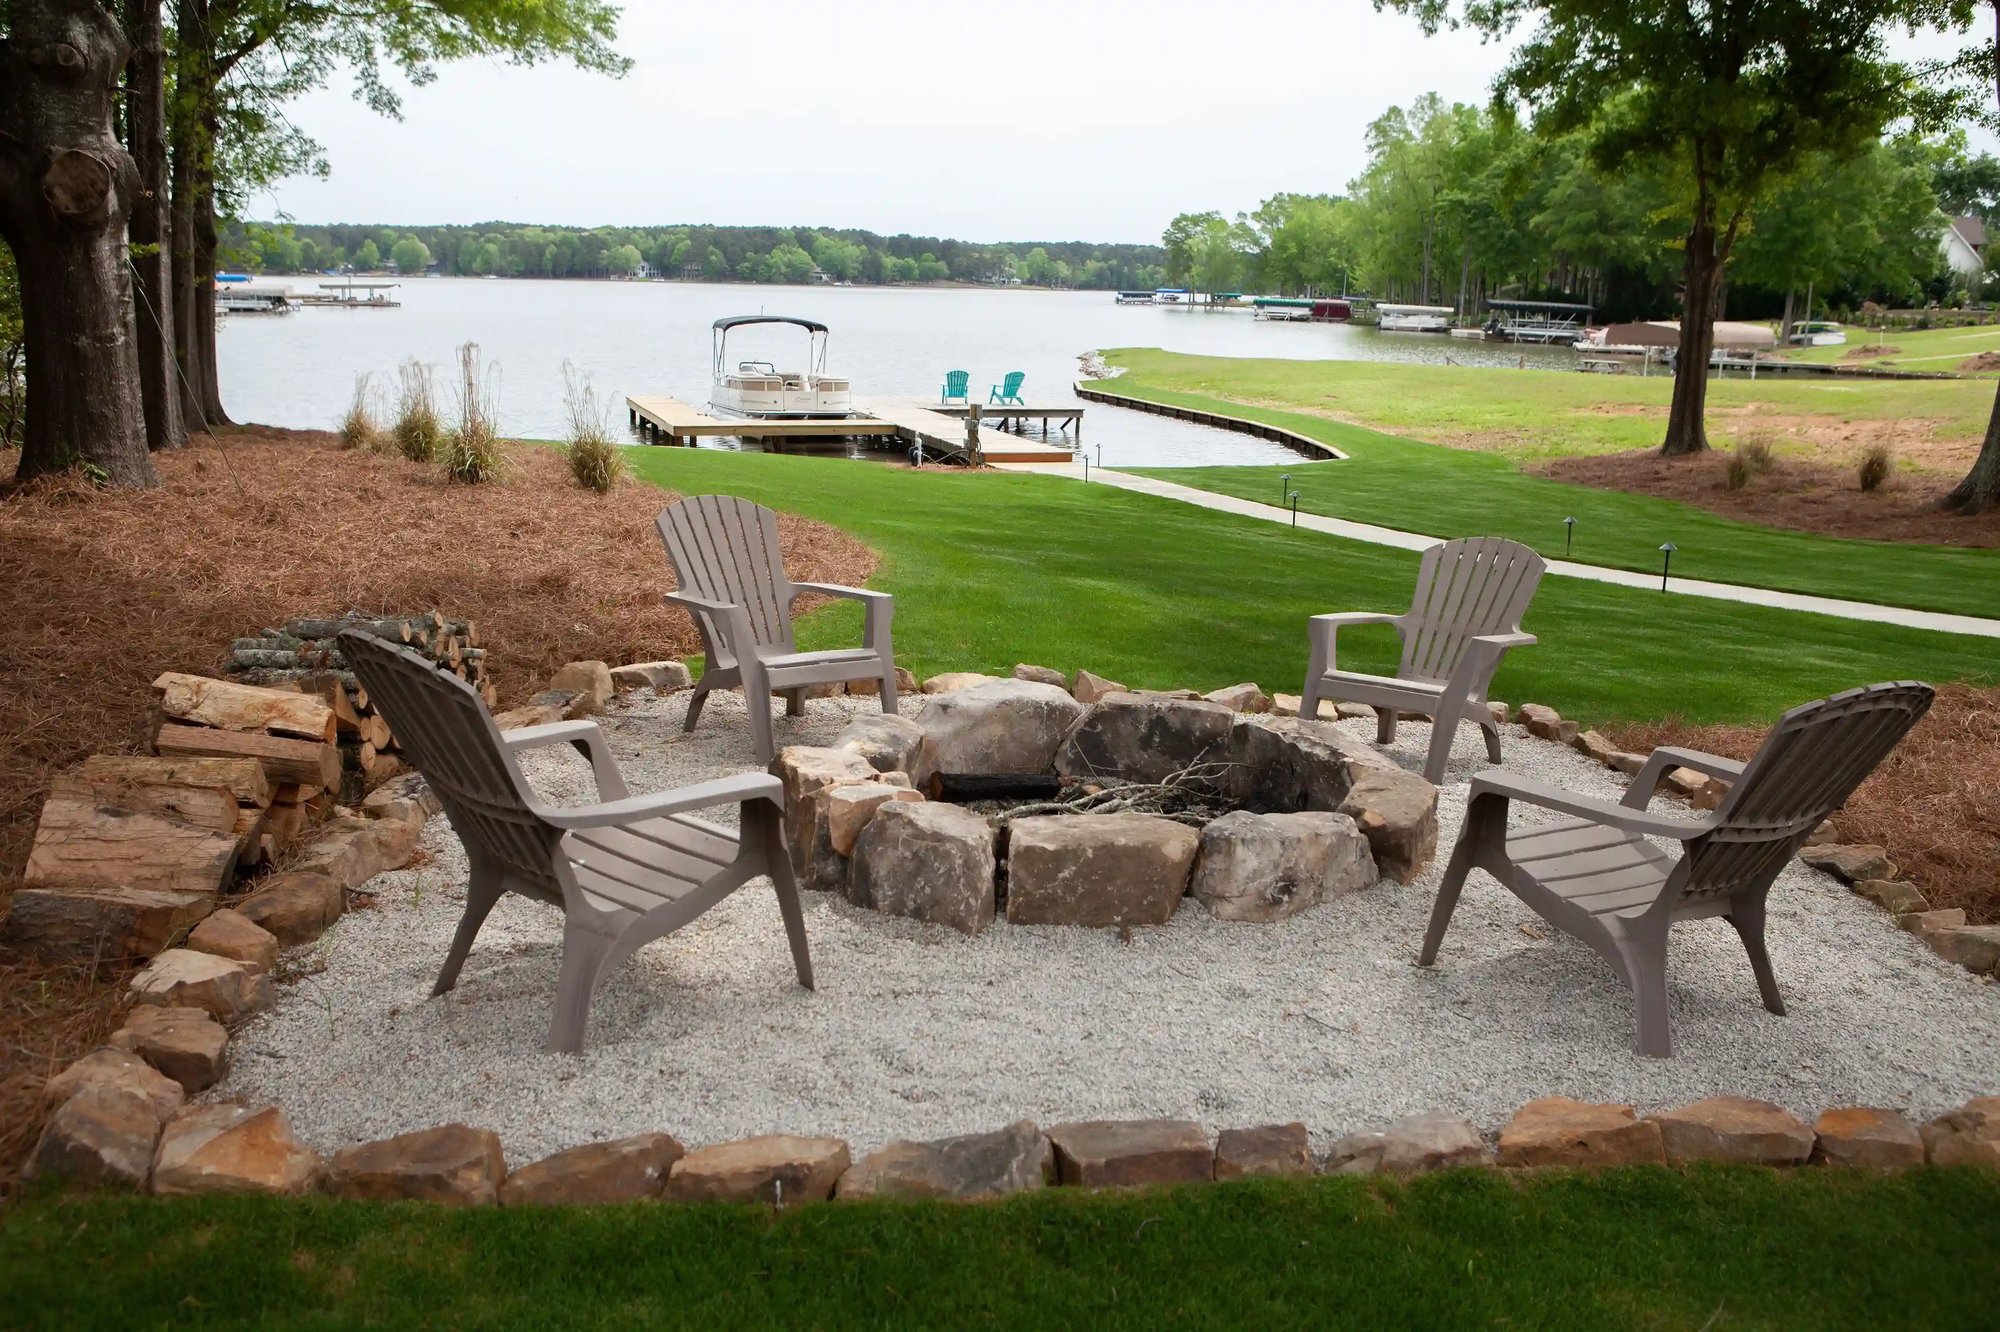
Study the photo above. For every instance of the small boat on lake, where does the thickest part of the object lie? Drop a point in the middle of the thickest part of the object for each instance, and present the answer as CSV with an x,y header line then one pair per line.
x,y
1415,318
1135,298
760,389
1816,333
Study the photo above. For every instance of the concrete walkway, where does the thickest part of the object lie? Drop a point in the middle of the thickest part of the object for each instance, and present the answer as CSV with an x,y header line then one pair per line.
x,y
1390,536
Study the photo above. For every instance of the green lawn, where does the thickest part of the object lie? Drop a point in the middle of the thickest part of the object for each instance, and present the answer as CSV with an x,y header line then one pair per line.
x,y
996,568
1638,1248
1911,349
1406,483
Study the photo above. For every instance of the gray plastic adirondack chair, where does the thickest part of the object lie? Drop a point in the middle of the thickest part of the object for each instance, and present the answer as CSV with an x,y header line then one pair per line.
x,y
625,871
1595,874
1466,614
724,553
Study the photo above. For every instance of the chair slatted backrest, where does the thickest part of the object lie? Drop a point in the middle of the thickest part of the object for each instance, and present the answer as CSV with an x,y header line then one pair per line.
x,y
956,382
1011,386
1807,767
726,549
1465,588
443,727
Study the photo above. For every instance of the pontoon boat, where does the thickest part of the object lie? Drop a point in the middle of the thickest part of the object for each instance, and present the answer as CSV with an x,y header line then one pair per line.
x,y
760,389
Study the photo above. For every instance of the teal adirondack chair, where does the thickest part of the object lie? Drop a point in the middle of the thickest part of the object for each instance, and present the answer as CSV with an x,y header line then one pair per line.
x,y
1008,390
957,385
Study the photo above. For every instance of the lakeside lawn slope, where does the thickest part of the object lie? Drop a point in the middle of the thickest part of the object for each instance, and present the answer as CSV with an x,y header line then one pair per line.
x,y
992,569
1414,486
1632,1248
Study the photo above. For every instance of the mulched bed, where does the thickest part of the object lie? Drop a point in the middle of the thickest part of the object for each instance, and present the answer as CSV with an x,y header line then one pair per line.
x,y
1934,805
1796,494
100,593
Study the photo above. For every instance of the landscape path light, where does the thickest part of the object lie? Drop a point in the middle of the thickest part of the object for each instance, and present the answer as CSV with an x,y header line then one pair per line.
x,y
1285,487
1569,534
1666,562
1294,498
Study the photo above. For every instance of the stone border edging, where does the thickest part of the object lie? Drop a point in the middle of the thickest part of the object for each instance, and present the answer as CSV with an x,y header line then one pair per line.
x,y
1318,450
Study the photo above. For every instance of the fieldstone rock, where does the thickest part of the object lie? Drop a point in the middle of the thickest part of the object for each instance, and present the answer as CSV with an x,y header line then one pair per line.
x,y
1041,675
1974,947
1546,722
1087,688
566,704
1245,697
528,714
1104,1153
1348,710
1924,922
1849,864
1969,1135
184,1044
891,743
808,772
1685,782
931,862
1286,764
848,809
663,677
626,1170
998,728
1397,812
1821,835
901,779
1867,1137
1556,1131
1272,1149
233,1149
1097,870
1735,1129
1410,1147
352,850
1626,762
450,1164
1594,746
295,908
950,682
100,1138
1285,705
1711,793
99,924
972,1166
1145,738
1498,712
112,1067
220,986
906,683
1267,867
1182,695
231,934
1898,897
590,681
778,1169
408,798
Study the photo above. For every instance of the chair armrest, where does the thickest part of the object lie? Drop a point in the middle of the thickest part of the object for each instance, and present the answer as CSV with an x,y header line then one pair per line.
x,y
741,788
1514,786
729,619
587,737
881,608
1640,793
1321,630
1482,658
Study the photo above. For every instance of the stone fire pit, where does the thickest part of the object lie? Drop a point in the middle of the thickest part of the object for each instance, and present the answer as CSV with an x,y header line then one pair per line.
x,y
1307,813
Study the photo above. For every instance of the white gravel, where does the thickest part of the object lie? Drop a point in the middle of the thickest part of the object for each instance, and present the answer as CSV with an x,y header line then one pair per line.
x,y
916,1031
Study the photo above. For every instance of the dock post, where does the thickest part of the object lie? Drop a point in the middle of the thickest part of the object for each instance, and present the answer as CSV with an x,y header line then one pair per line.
x,y
972,450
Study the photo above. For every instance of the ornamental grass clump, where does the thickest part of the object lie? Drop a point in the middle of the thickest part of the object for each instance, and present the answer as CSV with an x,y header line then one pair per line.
x,y
1877,461
595,460
418,430
359,429
1751,458
471,449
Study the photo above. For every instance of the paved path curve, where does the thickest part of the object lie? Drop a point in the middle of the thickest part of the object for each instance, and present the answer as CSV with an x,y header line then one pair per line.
x,y
1390,536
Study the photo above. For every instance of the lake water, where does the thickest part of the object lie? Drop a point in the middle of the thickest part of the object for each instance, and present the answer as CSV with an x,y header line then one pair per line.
x,y
653,337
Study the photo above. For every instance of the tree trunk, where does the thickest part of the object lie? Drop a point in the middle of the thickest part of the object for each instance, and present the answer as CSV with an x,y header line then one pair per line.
x,y
194,135
150,227
1980,490
1785,324
1687,427
65,189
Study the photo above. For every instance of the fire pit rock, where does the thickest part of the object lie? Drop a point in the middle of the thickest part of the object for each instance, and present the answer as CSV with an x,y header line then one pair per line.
x,y
1145,738
1266,867
891,743
1106,869
930,861
998,729
1287,764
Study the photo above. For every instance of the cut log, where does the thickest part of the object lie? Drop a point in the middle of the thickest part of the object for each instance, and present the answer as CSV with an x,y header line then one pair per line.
x,y
249,828
375,730
211,807
99,924
282,824
229,706
292,793
306,762
82,843
243,778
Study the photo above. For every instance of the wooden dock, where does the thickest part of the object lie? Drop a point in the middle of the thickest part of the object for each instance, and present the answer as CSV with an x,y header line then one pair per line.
x,y
890,421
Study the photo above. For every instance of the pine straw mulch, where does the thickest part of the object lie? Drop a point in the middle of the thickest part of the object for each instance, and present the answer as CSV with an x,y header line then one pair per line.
x,y
100,592
1933,805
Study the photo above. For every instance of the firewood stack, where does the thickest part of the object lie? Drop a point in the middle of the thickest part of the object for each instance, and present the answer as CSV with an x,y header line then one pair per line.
x,y
305,656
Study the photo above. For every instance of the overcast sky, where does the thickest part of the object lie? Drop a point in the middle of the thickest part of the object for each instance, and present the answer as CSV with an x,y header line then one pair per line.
x,y
1036,120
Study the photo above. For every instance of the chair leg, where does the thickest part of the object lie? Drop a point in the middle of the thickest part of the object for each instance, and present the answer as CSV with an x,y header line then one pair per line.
x,y
795,702
1645,952
1385,726
482,890
583,956
778,859
694,707
888,689
1309,699
1748,918
1444,730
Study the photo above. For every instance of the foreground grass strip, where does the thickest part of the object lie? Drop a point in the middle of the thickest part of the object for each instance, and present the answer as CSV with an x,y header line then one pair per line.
x,y
992,569
1419,487
1639,1248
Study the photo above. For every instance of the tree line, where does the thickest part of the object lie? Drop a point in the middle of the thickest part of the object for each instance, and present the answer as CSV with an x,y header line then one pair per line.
x,y
710,253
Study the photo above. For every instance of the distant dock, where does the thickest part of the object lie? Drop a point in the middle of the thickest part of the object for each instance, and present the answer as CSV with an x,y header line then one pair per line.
x,y
939,431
